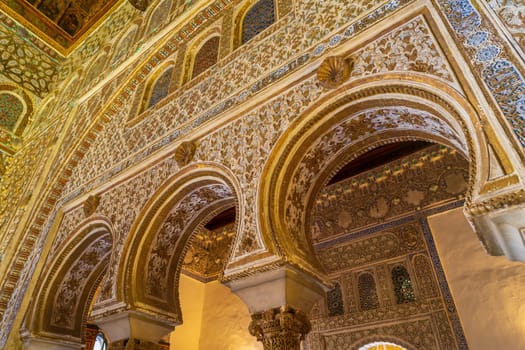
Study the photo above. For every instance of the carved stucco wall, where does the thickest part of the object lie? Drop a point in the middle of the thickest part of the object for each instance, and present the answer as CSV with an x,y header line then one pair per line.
x,y
398,197
512,15
98,137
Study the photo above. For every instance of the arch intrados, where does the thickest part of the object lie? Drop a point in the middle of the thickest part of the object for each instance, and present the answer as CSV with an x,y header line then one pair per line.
x,y
346,113
160,205
151,11
357,147
347,155
82,237
197,222
446,104
201,221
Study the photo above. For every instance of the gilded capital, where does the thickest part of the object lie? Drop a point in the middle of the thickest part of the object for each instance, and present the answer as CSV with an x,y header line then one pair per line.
x,y
280,328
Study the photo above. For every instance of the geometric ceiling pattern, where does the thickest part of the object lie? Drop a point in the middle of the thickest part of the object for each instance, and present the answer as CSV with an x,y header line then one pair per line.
x,y
61,23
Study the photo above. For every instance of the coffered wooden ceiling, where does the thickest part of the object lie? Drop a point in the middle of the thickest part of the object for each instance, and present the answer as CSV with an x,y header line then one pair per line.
x,y
61,23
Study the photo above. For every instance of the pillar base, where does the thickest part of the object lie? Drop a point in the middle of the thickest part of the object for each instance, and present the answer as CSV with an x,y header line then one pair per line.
x,y
279,301
32,342
136,344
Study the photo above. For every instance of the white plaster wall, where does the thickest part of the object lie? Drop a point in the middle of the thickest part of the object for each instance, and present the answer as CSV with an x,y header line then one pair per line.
x,y
489,291
225,321
187,335
214,319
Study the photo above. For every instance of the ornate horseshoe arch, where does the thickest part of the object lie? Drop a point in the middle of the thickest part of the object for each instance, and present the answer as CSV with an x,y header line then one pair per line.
x,y
151,263
61,306
352,120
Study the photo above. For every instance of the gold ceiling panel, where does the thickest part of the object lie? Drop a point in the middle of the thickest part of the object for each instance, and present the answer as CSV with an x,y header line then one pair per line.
x,y
60,23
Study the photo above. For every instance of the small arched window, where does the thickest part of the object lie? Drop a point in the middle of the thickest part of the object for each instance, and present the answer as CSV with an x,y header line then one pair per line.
x,y
123,46
100,342
206,57
402,285
158,90
334,301
159,16
366,285
259,17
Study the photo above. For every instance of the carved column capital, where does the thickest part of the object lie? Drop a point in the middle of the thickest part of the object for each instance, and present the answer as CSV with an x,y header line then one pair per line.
x,y
280,328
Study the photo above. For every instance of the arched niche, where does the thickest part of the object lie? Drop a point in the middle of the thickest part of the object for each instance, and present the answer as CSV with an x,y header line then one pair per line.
x,y
202,54
152,259
159,15
158,86
16,109
253,17
61,305
348,122
95,72
122,47
384,345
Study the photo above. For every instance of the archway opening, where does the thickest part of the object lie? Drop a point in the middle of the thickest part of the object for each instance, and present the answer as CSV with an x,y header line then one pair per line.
x,y
382,346
369,232
213,317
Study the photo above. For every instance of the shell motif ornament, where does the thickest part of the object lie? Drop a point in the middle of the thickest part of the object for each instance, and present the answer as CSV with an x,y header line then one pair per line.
x,y
184,153
334,71
91,205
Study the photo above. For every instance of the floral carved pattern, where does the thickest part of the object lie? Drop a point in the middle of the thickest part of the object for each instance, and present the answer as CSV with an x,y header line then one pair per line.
x,y
64,312
168,236
358,127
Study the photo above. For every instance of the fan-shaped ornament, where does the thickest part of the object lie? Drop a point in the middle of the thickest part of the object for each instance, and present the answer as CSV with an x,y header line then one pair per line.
x,y
91,205
334,71
184,153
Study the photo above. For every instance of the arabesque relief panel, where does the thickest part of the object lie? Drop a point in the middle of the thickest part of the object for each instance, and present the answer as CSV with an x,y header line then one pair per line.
x,y
404,185
114,142
418,313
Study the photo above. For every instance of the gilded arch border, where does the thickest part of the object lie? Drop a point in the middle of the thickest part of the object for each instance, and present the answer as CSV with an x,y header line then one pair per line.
x,y
38,324
460,115
136,252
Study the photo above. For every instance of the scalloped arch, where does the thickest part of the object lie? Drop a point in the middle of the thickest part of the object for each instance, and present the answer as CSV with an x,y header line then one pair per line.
x,y
357,117
61,305
152,259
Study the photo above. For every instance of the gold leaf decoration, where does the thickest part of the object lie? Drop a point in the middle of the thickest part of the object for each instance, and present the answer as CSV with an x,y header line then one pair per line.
x,y
334,71
184,153
91,205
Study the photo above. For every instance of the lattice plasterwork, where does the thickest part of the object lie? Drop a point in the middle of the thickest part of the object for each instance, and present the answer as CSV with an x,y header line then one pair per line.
x,y
504,70
200,97
404,244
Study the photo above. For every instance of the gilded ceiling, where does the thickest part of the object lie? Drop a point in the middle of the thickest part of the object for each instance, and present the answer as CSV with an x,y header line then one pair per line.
x,y
61,23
